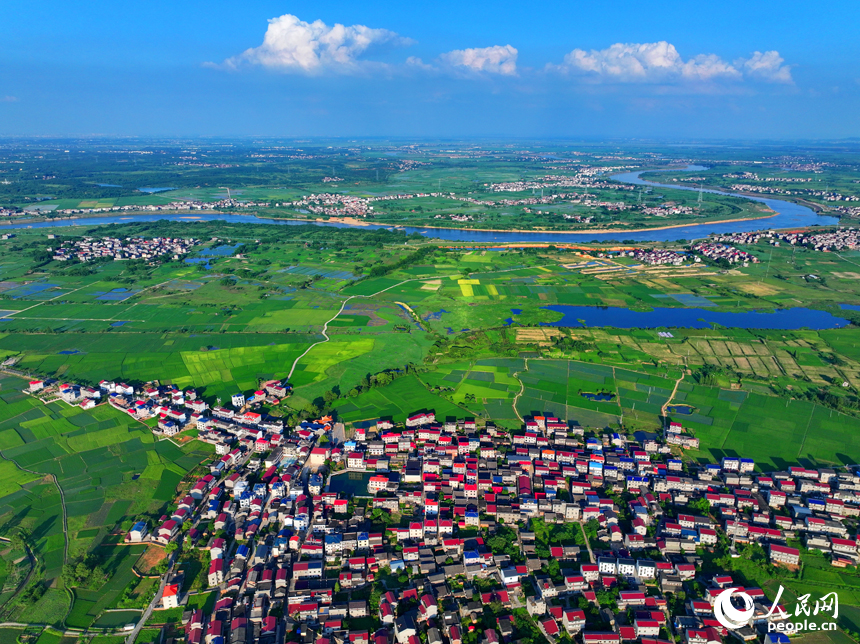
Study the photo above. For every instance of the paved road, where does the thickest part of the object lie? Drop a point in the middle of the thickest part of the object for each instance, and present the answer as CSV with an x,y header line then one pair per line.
x,y
338,434
587,542
155,600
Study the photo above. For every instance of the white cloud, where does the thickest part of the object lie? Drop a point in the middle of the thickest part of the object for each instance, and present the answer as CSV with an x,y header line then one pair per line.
x,y
645,63
660,62
416,63
8,99
767,66
499,59
705,67
293,45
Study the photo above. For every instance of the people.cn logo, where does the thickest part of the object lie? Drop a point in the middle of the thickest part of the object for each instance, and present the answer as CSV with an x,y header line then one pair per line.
x,y
727,614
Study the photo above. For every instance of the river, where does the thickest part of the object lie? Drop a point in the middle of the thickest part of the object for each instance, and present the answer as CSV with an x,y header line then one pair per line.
x,y
789,215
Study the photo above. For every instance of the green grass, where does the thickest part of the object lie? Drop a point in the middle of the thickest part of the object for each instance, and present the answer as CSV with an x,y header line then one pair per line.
x,y
117,619
400,399
93,454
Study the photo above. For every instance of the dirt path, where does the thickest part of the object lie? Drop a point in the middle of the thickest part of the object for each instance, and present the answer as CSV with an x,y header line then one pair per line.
x,y
674,390
65,523
343,305
522,389
33,561
62,502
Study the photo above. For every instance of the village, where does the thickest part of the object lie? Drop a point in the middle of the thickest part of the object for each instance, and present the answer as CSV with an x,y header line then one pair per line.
x,y
453,531
91,248
838,239
183,205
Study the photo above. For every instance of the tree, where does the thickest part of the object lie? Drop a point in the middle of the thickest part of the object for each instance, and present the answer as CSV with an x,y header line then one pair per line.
x,y
19,538
383,379
700,505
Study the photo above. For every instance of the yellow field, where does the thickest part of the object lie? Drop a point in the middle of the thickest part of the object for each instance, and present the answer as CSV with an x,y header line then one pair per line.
x,y
466,287
539,336
755,288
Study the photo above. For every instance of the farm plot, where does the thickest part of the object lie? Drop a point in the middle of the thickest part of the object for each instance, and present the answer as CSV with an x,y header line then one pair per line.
x,y
99,458
371,286
225,370
775,432
400,399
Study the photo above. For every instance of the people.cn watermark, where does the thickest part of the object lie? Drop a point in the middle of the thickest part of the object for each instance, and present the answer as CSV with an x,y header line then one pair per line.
x,y
735,609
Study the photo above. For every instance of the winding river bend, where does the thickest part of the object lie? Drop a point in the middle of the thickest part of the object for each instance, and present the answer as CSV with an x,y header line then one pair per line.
x,y
789,215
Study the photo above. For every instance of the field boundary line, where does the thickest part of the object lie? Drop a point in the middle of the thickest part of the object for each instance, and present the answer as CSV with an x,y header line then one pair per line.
x,y
342,306
34,560
65,518
806,431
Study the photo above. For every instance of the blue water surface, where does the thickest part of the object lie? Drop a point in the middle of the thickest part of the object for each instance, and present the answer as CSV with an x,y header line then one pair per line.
x,y
620,318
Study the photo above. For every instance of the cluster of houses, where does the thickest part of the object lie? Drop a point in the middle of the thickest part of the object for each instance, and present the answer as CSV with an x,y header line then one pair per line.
x,y
90,248
714,251
176,409
658,257
461,218
289,553
181,206
666,209
584,177
826,195
836,239
752,176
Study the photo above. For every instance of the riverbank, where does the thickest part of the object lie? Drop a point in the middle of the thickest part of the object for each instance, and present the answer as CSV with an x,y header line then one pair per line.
x,y
198,215
789,216
123,216
578,231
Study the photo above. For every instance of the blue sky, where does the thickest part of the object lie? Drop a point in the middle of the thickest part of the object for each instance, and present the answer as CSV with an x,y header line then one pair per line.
x,y
701,70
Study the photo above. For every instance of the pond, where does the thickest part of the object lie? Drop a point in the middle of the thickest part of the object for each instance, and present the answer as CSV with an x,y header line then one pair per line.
x,y
434,315
200,260
219,251
34,290
350,483
680,409
599,397
116,295
620,318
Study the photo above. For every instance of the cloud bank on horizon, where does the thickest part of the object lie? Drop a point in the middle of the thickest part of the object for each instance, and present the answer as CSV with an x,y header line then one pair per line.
x,y
660,62
291,45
